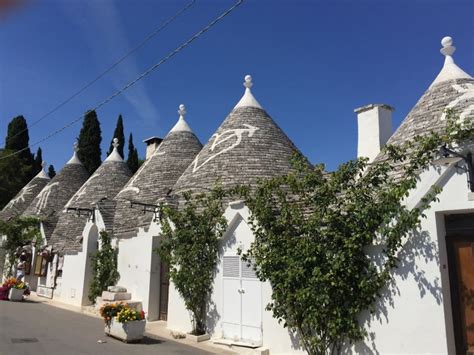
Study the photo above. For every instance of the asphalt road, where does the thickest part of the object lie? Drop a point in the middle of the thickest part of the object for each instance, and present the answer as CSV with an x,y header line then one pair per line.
x,y
35,328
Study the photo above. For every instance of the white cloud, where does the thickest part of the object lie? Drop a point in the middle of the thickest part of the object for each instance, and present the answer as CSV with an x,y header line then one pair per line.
x,y
102,27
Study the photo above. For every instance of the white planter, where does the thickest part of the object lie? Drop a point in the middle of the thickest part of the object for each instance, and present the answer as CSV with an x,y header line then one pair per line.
x,y
15,294
128,332
198,338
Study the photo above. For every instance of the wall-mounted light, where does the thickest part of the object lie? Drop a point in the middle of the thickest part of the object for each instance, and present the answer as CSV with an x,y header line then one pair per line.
x,y
448,157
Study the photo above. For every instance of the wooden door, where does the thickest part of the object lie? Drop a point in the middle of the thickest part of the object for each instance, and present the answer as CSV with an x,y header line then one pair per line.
x,y
164,288
461,253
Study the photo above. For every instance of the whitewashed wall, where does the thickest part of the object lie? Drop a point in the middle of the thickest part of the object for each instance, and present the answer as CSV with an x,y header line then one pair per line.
x,y
419,320
139,269
73,286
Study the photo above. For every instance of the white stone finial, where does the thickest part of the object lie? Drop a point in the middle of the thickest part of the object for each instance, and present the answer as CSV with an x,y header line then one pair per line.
x,y
450,70
248,81
42,173
248,100
181,125
448,48
182,111
74,159
114,156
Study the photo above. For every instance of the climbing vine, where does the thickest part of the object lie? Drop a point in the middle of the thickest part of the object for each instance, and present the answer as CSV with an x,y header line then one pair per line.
x,y
104,267
313,229
190,246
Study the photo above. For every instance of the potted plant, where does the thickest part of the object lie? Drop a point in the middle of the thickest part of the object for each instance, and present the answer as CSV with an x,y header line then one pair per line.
x,y
17,289
123,322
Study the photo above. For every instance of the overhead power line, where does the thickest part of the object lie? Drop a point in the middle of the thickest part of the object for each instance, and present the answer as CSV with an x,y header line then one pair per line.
x,y
138,78
110,68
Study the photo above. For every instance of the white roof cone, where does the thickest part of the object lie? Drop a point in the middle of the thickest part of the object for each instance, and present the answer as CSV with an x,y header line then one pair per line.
x,y
114,156
74,159
42,173
181,125
450,70
248,100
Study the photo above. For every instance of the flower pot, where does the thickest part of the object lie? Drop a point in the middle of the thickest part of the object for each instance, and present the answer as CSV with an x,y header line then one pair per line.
x,y
15,294
198,338
128,332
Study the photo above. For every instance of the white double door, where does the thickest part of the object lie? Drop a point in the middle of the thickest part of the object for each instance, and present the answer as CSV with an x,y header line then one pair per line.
x,y
242,311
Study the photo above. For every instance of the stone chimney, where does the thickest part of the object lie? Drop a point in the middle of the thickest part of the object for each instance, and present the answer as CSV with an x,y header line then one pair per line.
x,y
374,123
151,144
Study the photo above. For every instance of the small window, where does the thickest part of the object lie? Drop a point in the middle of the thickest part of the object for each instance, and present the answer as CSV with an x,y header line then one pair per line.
x,y
41,265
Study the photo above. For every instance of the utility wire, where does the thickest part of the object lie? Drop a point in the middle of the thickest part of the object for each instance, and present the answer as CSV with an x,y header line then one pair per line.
x,y
138,78
110,68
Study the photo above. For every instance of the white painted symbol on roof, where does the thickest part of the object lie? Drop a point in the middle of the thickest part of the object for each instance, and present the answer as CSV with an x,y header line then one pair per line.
x,y
44,196
82,190
467,91
21,198
223,137
130,186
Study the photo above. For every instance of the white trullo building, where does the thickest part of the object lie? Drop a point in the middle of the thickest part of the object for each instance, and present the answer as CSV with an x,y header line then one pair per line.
x,y
88,212
247,146
141,271
430,310
47,206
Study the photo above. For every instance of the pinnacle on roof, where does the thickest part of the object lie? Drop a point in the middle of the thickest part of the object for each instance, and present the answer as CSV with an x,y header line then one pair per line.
x,y
42,174
450,70
181,125
248,100
74,159
114,156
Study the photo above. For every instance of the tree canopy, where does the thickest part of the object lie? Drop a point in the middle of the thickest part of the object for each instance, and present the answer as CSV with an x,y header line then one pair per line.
x,y
89,142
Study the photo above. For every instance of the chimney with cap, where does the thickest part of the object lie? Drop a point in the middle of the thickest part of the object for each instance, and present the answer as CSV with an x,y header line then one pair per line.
x,y
375,128
151,144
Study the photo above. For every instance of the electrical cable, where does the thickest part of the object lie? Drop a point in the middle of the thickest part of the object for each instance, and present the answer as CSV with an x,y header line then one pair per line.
x,y
138,78
110,68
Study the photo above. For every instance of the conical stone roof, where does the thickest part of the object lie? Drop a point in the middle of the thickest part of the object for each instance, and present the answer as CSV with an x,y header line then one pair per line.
x,y
248,145
49,203
22,199
452,89
104,184
155,178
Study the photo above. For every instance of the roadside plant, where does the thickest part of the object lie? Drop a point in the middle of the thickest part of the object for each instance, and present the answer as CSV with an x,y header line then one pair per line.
x,y
313,229
104,267
18,232
190,245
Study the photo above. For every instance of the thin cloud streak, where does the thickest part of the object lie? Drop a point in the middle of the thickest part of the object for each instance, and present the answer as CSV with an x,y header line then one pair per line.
x,y
101,25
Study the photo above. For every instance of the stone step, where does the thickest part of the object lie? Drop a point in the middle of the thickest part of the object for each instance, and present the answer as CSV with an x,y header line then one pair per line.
x,y
116,296
241,347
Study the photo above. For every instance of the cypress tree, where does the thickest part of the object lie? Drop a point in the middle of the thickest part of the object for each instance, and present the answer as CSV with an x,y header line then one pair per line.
x,y
51,171
89,142
132,160
18,138
38,161
118,133
21,164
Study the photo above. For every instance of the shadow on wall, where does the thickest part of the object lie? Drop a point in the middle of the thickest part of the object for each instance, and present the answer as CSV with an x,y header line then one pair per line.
x,y
419,248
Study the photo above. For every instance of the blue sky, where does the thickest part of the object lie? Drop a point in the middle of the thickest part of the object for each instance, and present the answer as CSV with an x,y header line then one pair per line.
x,y
312,62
